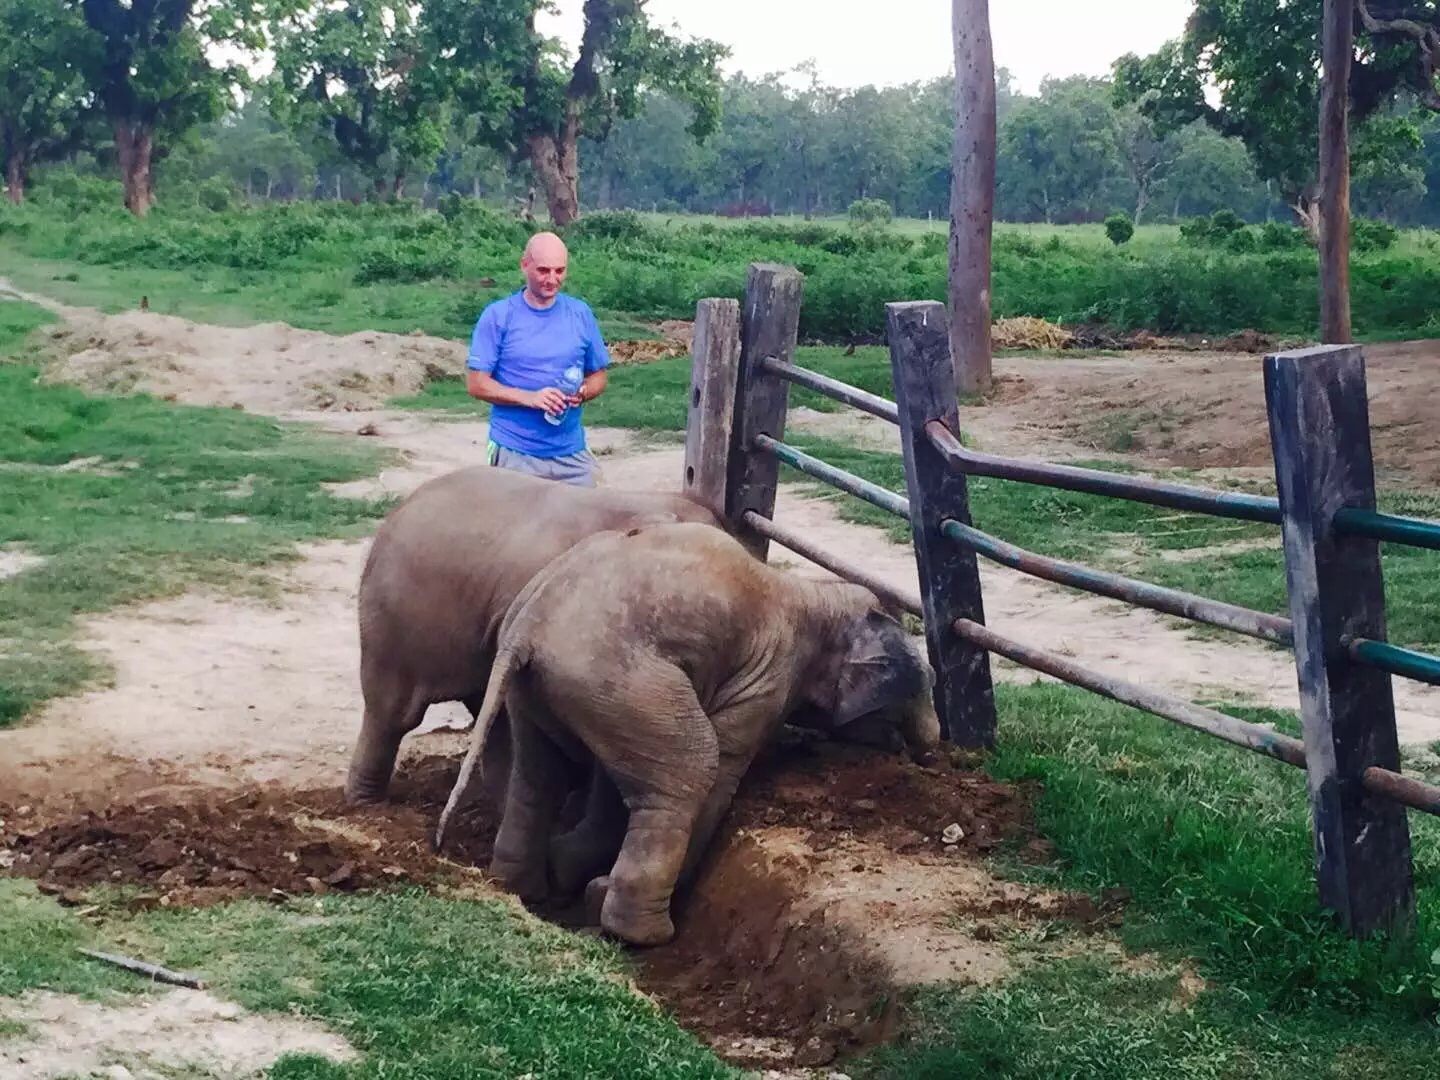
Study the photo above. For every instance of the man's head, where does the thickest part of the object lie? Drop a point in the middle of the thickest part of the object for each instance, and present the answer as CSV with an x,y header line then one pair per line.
x,y
543,263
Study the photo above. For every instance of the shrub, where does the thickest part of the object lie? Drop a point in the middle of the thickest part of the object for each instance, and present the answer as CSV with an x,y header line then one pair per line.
x,y
1368,235
215,194
389,261
1119,228
870,213
610,225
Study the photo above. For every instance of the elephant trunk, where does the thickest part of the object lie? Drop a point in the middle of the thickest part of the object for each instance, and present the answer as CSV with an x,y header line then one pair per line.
x,y
919,725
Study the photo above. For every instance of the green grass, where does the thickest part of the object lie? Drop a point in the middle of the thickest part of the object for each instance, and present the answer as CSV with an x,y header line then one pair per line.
x,y
424,987
17,321
1213,845
168,497
1089,1016
397,267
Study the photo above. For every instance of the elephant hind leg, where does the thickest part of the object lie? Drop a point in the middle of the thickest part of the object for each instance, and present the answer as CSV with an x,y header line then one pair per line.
x,y
540,777
589,849
664,757
389,716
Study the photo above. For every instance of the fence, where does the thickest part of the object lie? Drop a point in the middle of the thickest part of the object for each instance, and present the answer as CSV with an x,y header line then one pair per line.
x,y
743,366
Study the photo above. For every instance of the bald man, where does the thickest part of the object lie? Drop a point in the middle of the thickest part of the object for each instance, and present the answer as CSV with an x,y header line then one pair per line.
x,y
537,356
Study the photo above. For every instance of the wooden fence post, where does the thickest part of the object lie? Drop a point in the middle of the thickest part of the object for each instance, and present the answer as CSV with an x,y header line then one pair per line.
x,y
714,373
925,390
770,323
1320,432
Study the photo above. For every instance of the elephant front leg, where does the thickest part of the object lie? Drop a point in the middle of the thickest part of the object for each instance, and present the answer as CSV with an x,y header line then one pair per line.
x,y
390,712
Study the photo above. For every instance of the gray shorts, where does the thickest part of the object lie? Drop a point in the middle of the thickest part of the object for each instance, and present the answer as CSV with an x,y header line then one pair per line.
x,y
577,469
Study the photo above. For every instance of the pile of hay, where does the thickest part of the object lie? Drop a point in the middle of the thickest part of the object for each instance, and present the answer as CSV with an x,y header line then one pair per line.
x,y
1026,332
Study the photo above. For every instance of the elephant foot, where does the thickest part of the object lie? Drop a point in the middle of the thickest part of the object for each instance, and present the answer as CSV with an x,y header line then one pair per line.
x,y
523,877
625,921
575,858
363,792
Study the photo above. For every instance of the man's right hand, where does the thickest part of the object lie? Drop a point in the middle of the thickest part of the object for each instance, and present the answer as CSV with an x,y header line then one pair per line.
x,y
551,399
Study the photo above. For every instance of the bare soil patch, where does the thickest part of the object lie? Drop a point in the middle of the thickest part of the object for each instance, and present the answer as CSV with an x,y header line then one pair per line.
x,y
831,887
1207,410
169,1034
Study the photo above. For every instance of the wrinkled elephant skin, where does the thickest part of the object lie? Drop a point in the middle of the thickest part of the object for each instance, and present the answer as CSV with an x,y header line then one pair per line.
x,y
670,656
442,572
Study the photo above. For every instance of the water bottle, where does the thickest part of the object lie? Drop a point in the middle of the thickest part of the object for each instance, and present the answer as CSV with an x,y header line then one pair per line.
x,y
569,384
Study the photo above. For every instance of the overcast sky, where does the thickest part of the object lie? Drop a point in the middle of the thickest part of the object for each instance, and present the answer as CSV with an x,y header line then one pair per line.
x,y
907,40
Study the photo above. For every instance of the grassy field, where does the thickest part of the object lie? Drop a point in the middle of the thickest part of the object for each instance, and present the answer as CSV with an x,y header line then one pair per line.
x,y
325,266
129,499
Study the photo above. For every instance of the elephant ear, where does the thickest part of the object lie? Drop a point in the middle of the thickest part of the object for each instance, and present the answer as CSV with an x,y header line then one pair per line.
x,y
879,669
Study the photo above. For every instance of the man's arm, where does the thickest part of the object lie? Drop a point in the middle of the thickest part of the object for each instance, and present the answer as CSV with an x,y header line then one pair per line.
x,y
483,385
593,386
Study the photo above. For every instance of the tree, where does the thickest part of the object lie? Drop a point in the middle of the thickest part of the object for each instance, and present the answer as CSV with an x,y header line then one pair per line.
x,y
42,92
1263,58
152,77
1210,172
1058,153
621,55
1388,163
972,195
357,70
1146,154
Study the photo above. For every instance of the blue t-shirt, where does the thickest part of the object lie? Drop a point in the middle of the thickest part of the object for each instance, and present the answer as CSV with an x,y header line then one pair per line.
x,y
529,348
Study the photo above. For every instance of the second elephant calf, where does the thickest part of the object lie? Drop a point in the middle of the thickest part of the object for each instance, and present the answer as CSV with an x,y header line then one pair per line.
x,y
669,656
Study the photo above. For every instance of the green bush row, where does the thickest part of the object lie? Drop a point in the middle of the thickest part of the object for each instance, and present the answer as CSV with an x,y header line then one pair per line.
x,y
1223,276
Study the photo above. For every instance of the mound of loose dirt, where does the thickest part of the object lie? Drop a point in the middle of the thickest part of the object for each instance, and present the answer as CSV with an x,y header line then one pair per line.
x,y
259,842
270,368
831,885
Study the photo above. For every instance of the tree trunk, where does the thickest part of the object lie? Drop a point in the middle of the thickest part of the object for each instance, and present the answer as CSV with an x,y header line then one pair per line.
x,y
134,143
475,187
1339,48
1308,211
972,195
1142,201
15,177
269,186
398,187
556,163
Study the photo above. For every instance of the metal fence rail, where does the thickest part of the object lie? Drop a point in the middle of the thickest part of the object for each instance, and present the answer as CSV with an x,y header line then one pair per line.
x,y
1422,667
1412,532
906,601
1227,504
848,482
1254,737
1185,605
833,388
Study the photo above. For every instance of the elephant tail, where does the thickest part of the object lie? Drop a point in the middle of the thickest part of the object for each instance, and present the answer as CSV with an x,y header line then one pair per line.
x,y
511,656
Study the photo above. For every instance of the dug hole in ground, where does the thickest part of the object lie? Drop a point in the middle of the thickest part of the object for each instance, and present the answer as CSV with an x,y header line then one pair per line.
x,y
211,768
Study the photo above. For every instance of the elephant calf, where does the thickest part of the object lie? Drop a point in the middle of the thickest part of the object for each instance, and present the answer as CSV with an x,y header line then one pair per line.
x,y
672,656
445,566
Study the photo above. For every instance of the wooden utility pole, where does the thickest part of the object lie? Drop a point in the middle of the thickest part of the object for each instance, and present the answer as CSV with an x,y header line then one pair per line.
x,y
972,195
1338,49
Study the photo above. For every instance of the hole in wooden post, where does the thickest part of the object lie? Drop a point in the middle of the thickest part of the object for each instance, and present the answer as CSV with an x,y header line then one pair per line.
x,y
695,398
689,475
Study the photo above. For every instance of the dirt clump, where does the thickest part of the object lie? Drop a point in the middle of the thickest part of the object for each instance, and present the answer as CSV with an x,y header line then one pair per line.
x,y
271,368
264,841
